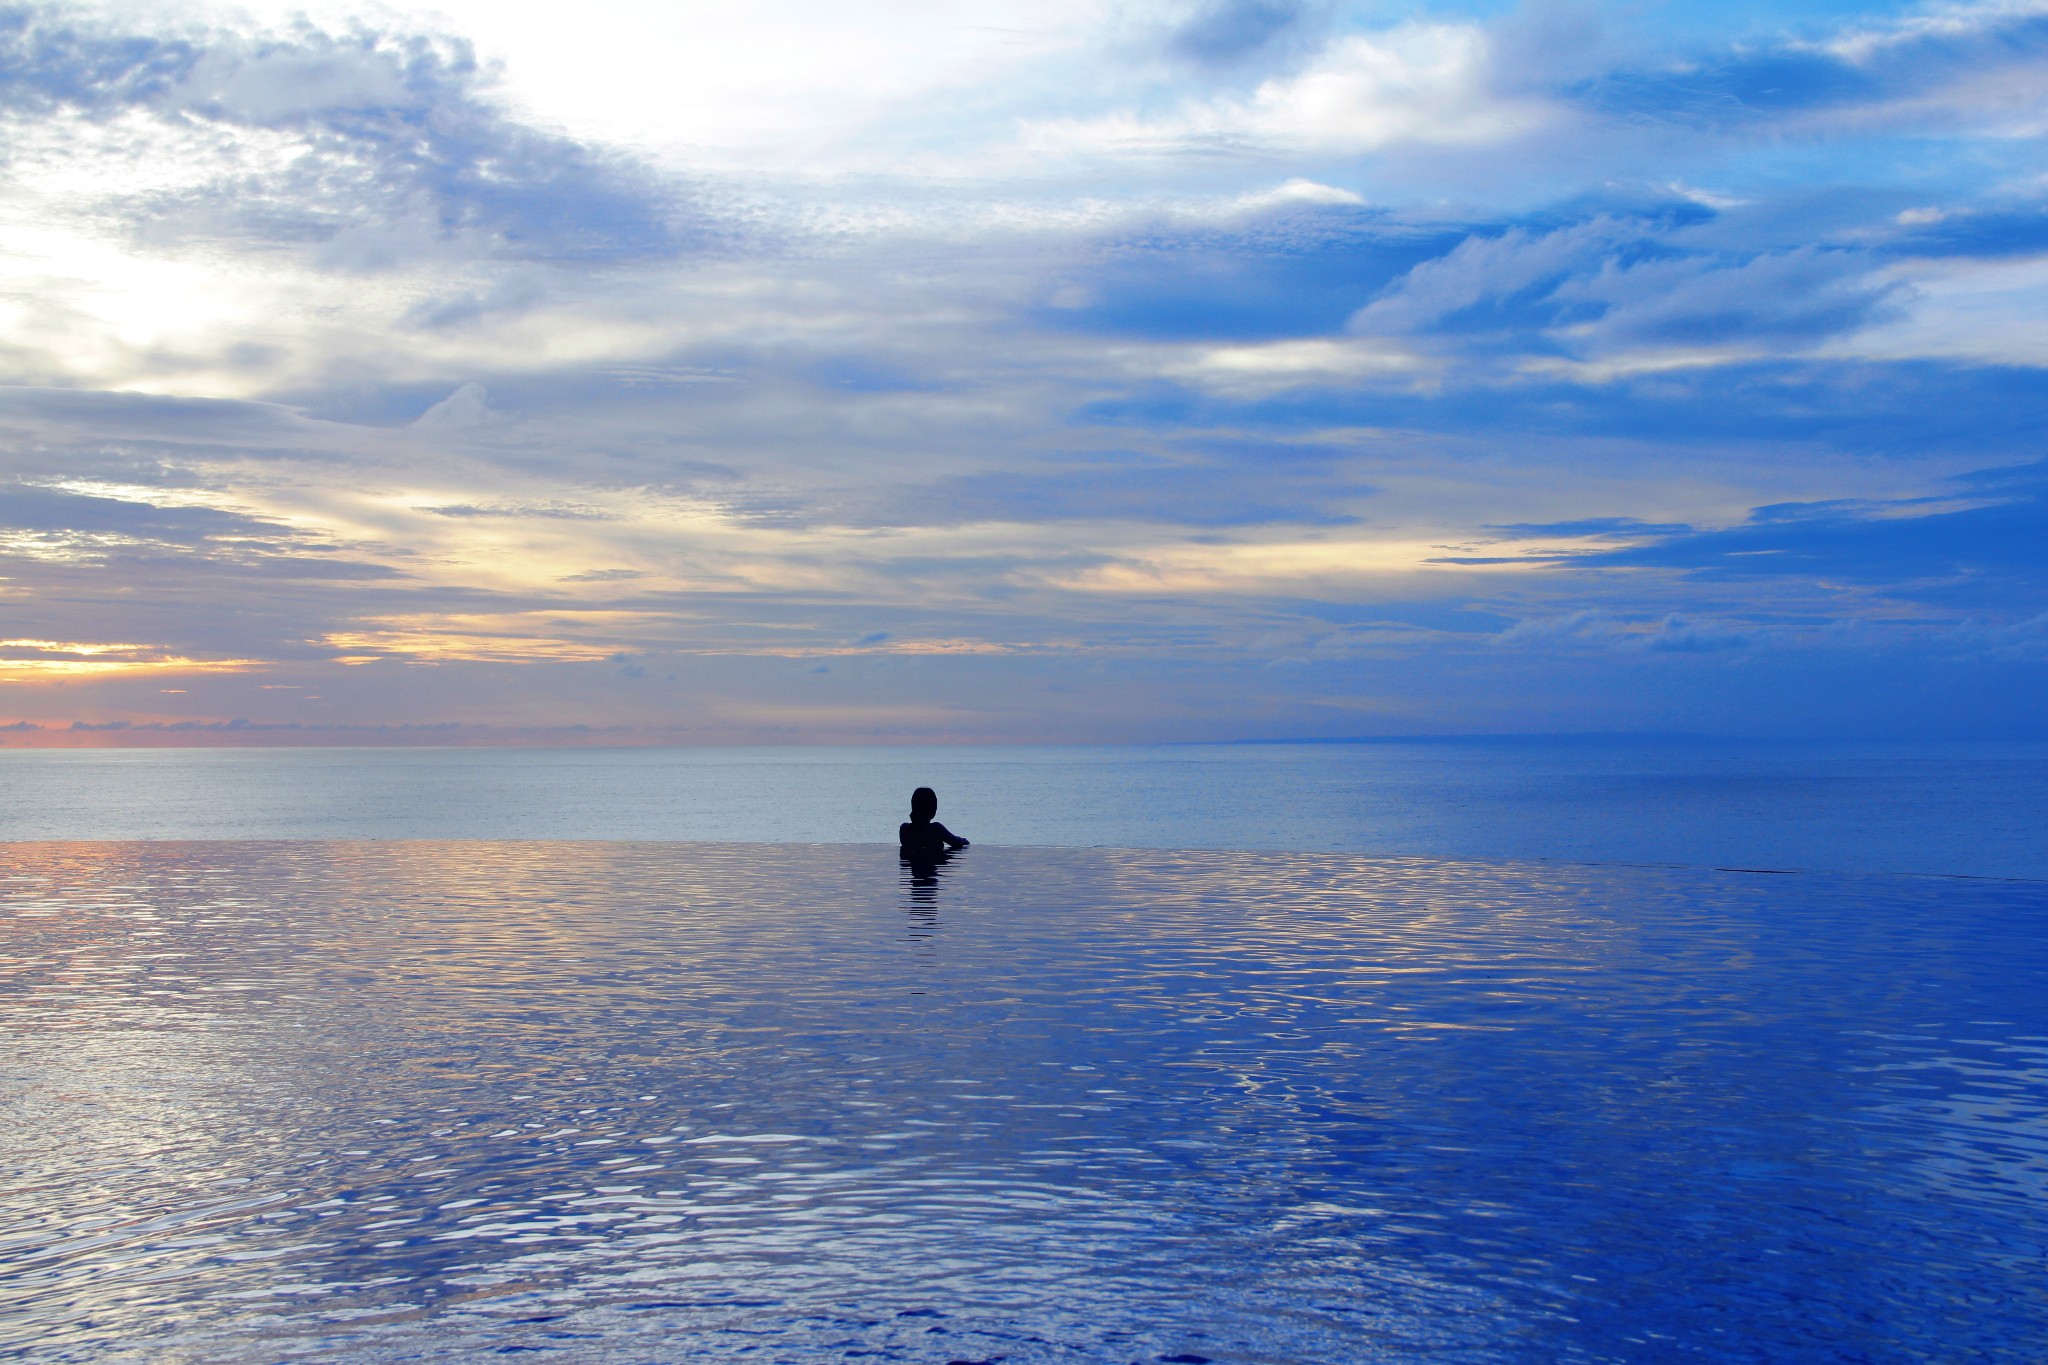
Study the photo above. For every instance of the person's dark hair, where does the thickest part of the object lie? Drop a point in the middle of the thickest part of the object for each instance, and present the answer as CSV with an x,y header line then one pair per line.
x,y
924,804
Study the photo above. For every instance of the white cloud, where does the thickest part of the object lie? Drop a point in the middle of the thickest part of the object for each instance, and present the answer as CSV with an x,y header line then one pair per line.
x,y
465,409
1299,191
1254,370
1864,42
726,83
1418,83
1988,311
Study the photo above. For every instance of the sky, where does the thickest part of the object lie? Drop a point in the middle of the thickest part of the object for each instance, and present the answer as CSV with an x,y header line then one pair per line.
x,y
1056,372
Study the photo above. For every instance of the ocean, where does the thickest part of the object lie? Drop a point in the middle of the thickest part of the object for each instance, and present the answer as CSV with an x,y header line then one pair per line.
x,y
1962,810
1253,1056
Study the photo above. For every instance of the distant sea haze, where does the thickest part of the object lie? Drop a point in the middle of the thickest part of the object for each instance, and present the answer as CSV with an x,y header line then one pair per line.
x,y
1948,809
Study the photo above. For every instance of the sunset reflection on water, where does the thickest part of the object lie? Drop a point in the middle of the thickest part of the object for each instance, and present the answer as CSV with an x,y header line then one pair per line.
x,y
675,1101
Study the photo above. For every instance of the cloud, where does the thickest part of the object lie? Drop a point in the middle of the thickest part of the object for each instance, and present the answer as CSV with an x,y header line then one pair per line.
x,y
603,576
304,136
1608,287
1989,548
1419,83
1498,279
1628,528
463,410
1315,341
1776,300
1947,68
53,524
1678,635
1292,268
1194,494
2025,640
53,511
1225,32
1672,634
541,511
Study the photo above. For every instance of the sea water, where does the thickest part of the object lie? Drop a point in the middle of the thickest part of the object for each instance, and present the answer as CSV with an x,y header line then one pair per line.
x,y
640,1102
1978,810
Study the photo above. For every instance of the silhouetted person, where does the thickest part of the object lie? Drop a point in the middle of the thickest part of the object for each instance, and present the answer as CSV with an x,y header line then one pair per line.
x,y
922,839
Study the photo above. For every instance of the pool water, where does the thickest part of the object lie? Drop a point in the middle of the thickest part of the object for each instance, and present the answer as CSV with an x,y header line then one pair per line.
x,y
635,1102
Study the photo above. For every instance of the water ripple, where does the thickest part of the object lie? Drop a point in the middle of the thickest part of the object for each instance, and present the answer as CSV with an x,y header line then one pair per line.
x,y
386,1101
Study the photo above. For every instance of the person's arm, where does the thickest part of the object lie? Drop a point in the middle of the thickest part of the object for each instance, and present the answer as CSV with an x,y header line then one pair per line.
x,y
952,840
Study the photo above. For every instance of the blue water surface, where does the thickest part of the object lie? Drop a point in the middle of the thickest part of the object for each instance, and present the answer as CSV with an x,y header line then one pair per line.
x,y
357,1101
1979,810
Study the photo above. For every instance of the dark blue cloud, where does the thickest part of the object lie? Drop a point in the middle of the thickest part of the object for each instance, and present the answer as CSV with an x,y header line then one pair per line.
x,y
1297,272
1997,550
132,536
1732,88
161,417
1906,411
1224,32
1779,299
1753,84
1582,284
1615,282
1988,233
56,511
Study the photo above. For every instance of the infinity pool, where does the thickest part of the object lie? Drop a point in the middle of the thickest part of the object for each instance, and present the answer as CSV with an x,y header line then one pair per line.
x,y
695,1102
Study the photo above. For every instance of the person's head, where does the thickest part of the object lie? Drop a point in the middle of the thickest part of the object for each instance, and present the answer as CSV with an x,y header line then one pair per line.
x,y
924,804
